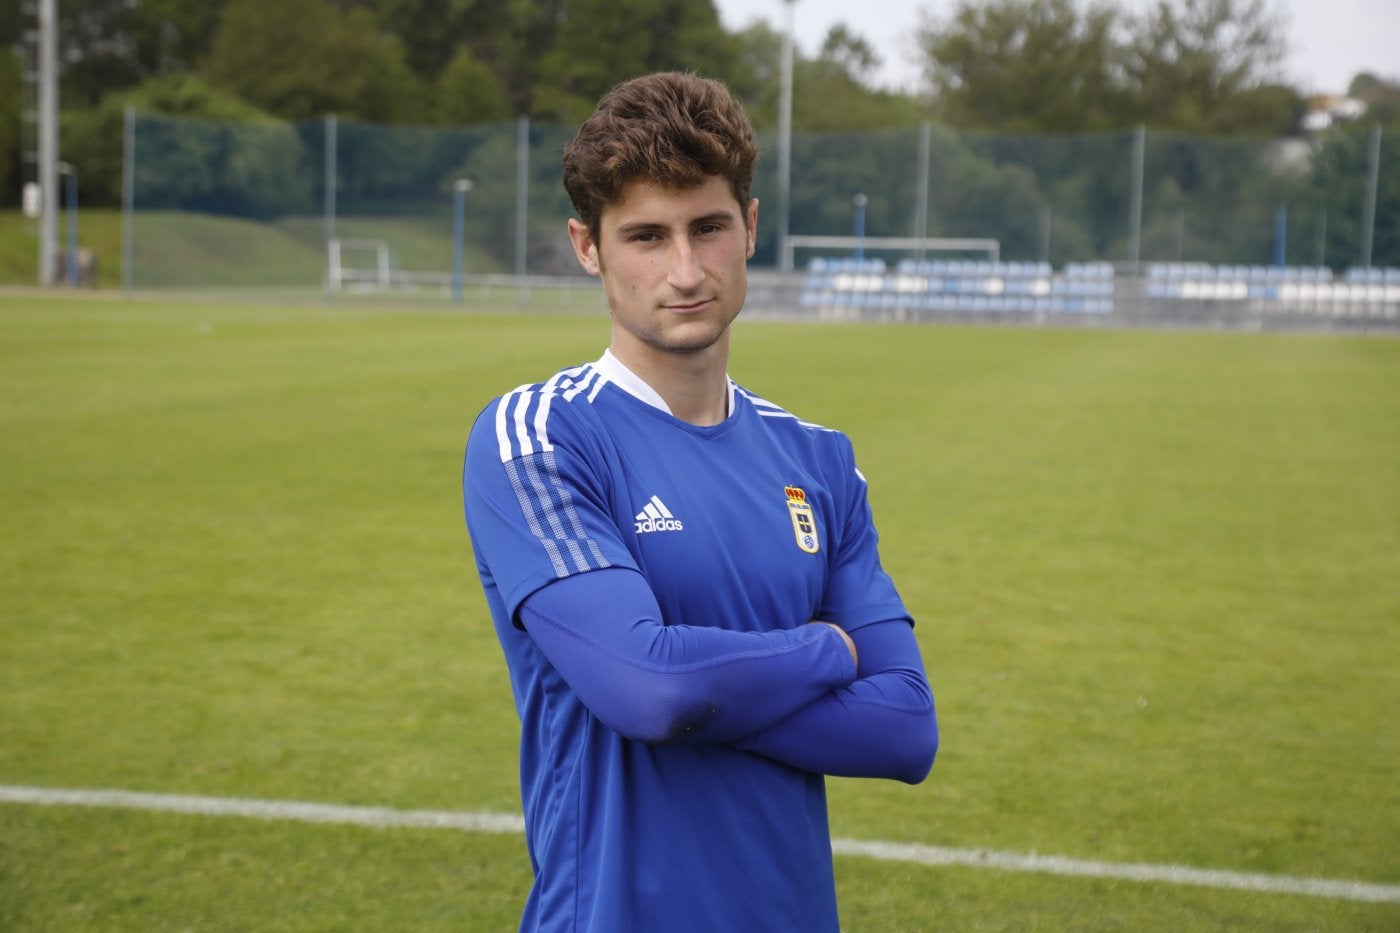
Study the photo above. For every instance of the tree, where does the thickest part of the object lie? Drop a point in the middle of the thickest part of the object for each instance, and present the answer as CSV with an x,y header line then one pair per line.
x,y
431,31
1048,66
756,78
1334,196
639,36
1190,62
1381,97
303,58
831,94
849,52
106,46
469,92
1026,65
170,36
9,120
218,151
1271,110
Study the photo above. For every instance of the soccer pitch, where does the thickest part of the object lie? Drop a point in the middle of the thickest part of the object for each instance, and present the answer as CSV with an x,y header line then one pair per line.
x,y
1157,577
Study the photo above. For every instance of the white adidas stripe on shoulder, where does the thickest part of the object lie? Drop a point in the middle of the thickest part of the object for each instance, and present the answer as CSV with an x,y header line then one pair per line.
x,y
518,433
768,409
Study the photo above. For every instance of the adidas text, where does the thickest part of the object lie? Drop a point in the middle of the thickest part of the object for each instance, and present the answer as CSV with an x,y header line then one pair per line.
x,y
659,524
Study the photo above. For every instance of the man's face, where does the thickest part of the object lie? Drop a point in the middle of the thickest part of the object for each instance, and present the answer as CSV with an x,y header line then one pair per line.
x,y
673,265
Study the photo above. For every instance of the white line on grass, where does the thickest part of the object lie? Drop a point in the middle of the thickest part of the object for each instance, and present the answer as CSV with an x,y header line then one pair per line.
x,y
266,809
884,851
1124,871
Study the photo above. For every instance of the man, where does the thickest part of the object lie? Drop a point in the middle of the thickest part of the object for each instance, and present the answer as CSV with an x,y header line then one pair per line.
x,y
654,541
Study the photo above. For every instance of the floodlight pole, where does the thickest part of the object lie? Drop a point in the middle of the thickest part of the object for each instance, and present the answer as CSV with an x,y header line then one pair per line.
x,y
459,225
785,141
48,141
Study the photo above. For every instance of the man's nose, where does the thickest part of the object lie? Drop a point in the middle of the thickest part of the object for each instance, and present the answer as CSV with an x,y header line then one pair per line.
x,y
685,273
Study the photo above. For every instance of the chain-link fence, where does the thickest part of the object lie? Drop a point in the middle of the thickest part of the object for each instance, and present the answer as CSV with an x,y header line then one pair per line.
x,y
459,214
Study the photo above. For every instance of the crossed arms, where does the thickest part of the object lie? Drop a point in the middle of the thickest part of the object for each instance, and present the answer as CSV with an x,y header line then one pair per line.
x,y
855,704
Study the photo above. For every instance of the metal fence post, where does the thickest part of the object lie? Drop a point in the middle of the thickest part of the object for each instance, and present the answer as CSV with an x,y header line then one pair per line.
x,y
522,206
331,142
785,142
1046,217
921,206
860,202
128,196
1135,204
1373,172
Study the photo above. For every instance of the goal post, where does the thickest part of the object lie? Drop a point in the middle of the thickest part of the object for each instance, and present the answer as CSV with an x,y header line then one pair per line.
x,y
342,272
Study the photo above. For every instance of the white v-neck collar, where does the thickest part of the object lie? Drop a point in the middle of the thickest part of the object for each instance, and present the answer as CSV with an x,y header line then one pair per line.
x,y
613,370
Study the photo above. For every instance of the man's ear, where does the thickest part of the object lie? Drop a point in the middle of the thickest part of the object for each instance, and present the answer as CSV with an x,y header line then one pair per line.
x,y
584,248
751,221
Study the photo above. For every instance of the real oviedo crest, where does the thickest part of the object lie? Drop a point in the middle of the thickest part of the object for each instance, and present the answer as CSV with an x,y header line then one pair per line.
x,y
804,520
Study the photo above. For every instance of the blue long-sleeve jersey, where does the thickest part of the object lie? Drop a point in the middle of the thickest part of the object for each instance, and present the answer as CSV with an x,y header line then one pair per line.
x,y
651,582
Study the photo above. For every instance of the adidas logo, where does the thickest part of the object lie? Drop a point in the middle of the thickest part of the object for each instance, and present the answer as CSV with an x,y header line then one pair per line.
x,y
656,517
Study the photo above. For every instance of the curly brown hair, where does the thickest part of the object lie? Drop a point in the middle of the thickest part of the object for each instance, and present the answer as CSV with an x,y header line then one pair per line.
x,y
675,129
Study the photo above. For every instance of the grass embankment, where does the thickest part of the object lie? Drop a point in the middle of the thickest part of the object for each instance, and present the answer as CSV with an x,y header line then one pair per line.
x,y
205,251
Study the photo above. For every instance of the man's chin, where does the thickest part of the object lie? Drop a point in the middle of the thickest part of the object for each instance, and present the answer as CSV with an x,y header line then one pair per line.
x,y
689,337
695,338
688,347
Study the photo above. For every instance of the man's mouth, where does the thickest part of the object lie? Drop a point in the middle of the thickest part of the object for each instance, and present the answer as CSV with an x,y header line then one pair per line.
x,y
689,307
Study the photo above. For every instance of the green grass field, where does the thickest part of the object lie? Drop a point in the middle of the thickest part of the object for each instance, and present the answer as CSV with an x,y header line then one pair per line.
x,y
1157,577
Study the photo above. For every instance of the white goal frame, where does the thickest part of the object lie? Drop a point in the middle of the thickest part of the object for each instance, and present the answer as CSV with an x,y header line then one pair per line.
x,y
339,275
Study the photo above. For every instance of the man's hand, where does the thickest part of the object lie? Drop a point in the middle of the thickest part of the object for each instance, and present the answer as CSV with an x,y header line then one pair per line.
x,y
850,645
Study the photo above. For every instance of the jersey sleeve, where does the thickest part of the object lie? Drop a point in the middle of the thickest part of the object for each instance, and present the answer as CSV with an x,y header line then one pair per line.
x,y
535,497
689,684
882,725
858,591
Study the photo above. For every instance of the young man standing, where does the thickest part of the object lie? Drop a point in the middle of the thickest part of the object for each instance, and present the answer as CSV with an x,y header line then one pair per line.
x,y
683,576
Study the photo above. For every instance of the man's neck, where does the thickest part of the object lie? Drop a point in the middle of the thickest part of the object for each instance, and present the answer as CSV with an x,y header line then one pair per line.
x,y
694,386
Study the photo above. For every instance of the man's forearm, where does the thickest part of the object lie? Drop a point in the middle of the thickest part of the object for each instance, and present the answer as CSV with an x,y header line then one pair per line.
x,y
883,725
672,683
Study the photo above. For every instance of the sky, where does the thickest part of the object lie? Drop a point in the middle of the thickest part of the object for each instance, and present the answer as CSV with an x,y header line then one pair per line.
x,y
1329,40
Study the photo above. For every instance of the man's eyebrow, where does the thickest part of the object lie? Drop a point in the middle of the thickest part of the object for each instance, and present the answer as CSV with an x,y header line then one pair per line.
x,y
714,217
641,226
657,226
